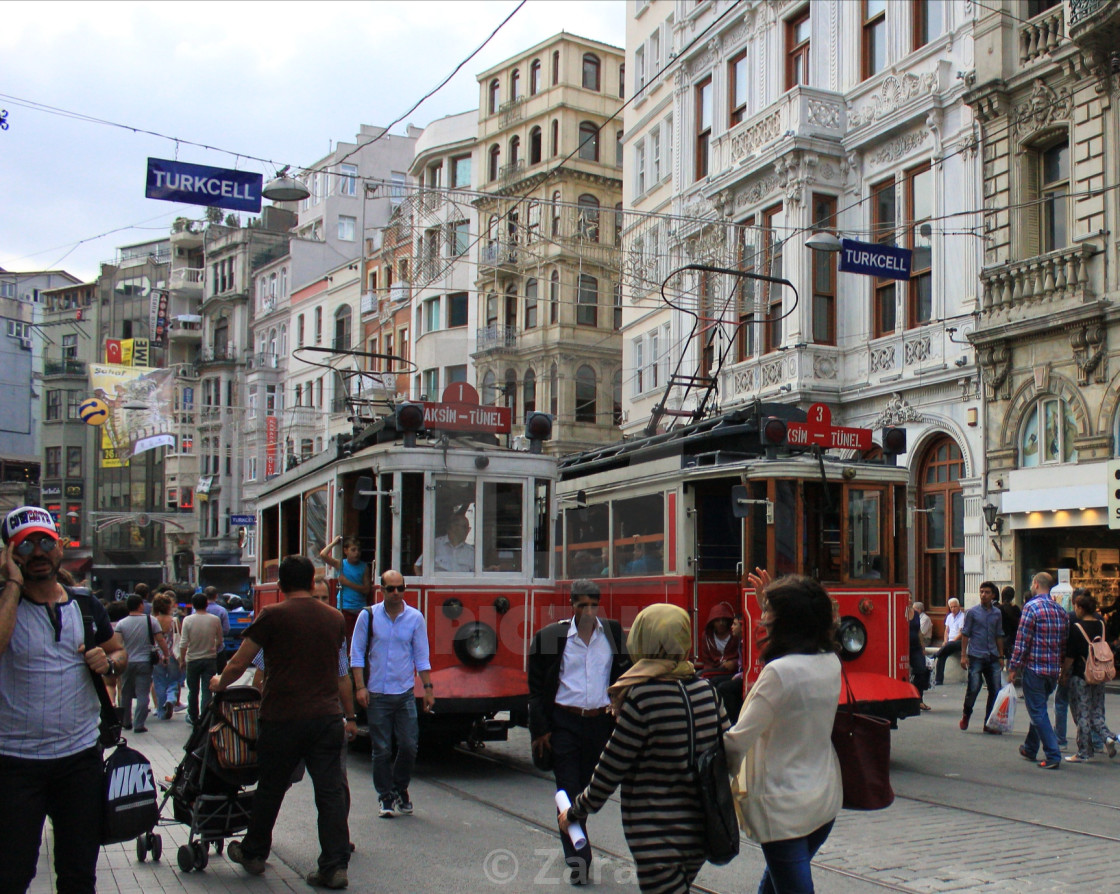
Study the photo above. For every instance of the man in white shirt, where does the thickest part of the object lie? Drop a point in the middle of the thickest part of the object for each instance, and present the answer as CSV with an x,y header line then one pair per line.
x,y
954,624
571,664
452,552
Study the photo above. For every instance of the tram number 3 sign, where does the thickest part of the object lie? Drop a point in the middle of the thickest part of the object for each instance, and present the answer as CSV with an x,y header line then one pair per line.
x,y
819,430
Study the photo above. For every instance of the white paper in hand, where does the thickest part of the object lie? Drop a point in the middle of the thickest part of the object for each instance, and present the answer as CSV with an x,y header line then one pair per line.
x,y
575,830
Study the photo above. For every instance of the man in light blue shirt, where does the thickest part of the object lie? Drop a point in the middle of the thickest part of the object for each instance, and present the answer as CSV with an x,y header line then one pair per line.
x,y
388,648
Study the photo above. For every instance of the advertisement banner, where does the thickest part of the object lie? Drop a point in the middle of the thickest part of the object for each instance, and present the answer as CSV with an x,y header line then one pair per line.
x,y
126,352
158,318
271,433
109,457
177,181
140,352
140,401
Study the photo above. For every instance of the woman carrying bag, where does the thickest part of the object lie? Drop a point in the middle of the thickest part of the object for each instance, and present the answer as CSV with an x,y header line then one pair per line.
x,y
1085,698
780,751
648,752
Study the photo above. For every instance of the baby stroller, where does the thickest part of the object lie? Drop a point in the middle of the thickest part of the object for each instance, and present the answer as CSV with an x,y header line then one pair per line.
x,y
208,791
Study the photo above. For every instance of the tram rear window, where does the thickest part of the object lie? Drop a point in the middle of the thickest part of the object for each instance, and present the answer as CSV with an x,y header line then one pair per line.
x,y
502,503
639,535
587,533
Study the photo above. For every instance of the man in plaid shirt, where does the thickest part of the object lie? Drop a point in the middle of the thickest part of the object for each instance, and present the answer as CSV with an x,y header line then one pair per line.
x,y
1039,649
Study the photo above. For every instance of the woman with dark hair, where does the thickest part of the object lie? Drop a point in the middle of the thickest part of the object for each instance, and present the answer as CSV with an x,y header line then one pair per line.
x,y
165,676
780,751
1085,699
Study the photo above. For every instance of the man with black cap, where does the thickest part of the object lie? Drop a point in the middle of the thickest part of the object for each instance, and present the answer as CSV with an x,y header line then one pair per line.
x,y
50,762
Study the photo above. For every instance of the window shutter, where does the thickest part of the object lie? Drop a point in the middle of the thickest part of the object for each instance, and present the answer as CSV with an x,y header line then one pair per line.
x,y
1030,213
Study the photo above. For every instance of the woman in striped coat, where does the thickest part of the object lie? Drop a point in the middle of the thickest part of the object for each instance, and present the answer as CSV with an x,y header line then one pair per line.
x,y
648,752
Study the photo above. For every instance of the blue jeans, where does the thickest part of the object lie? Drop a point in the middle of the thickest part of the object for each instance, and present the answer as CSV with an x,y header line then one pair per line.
x,y
788,863
981,671
389,716
1036,690
165,678
1061,711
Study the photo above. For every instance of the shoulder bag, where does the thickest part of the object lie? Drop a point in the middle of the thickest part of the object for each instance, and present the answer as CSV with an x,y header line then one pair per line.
x,y
109,729
713,786
863,745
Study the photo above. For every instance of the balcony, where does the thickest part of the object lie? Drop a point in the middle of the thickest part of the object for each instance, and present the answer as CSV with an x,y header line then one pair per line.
x,y
262,360
188,279
65,368
185,328
495,338
218,354
1037,289
511,111
512,171
399,292
499,253
369,303
1095,25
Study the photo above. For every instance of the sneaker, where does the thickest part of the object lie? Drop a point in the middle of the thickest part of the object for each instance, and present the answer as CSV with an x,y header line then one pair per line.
x,y
252,865
336,878
403,804
168,711
1110,746
386,810
964,722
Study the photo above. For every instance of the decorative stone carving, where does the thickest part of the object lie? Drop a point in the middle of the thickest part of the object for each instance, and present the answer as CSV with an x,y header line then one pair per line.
x,y
828,172
882,359
890,96
1044,107
917,350
897,412
757,191
852,173
1089,344
742,381
753,138
933,122
824,114
773,372
995,364
897,148
824,366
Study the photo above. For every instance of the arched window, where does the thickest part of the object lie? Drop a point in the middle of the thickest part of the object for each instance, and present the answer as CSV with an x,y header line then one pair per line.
x,y
616,397
556,213
495,161
489,392
283,282
588,141
491,310
514,150
535,77
529,392
515,84
555,67
588,220
342,328
299,331
495,96
622,82
941,532
587,303
509,392
590,71
511,308
531,304
272,286
271,344
1048,434
554,148
554,296
553,391
283,340
585,394
535,146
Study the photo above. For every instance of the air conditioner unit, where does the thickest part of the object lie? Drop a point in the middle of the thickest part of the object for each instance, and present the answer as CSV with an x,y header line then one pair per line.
x,y
25,343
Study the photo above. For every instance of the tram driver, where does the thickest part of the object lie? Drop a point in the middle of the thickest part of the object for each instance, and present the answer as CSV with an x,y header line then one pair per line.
x,y
452,552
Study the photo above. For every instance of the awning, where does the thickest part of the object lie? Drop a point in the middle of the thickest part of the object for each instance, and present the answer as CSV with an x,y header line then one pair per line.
x,y
78,566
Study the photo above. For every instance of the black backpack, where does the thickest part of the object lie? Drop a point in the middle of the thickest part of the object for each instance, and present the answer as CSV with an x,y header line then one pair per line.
x,y
130,796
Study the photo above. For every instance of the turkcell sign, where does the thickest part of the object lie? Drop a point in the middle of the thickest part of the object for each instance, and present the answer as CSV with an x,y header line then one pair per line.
x,y
872,259
177,181
243,521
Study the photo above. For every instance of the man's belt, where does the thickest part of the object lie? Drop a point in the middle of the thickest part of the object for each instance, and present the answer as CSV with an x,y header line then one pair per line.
x,y
583,712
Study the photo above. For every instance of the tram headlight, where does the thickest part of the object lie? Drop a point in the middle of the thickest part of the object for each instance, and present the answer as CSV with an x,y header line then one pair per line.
x,y
852,636
475,643
452,608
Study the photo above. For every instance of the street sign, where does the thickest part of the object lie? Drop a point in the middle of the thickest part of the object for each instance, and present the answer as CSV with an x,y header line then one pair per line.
x,y
467,417
820,430
243,521
873,259
1113,466
177,181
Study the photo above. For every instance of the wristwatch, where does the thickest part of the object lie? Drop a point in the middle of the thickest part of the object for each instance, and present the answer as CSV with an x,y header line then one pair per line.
x,y
428,686
350,718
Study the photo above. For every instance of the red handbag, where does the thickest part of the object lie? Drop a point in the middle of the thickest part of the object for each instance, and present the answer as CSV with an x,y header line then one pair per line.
x,y
863,745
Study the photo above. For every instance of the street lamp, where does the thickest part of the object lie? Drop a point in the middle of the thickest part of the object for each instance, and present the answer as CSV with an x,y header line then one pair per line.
x,y
992,518
824,241
283,188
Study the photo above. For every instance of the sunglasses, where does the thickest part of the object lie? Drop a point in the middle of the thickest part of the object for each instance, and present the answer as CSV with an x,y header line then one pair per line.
x,y
392,589
27,546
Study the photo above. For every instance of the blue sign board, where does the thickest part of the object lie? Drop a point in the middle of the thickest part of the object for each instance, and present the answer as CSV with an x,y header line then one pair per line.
x,y
176,181
243,521
872,259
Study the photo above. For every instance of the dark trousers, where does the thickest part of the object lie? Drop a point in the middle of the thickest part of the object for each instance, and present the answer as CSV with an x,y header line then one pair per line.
x,y
199,673
577,743
393,716
789,863
953,648
280,747
986,671
68,790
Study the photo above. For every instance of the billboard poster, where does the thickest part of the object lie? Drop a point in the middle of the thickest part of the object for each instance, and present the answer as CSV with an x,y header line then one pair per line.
x,y
140,352
126,352
271,433
158,318
147,422
178,181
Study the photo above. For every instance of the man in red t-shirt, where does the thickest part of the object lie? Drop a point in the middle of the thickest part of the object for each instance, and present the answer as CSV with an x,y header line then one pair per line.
x,y
302,717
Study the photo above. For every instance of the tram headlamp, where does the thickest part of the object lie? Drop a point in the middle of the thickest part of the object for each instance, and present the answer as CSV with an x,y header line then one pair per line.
x,y
452,608
475,643
501,605
852,637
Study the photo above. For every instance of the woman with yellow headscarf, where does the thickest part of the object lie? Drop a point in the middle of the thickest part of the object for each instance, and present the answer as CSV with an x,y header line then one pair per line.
x,y
648,752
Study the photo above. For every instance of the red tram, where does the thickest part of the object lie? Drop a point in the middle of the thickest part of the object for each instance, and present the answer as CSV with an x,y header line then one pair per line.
x,y
680,517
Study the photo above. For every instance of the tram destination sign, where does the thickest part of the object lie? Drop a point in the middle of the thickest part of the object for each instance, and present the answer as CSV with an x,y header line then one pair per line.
x,y
873,259
819,430
467,417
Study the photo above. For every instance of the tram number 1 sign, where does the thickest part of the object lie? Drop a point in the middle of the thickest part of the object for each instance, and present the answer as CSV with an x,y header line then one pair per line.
x,y
819,430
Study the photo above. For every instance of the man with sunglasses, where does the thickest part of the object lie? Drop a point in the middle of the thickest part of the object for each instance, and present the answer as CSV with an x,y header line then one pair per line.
x,y
389,648
51,638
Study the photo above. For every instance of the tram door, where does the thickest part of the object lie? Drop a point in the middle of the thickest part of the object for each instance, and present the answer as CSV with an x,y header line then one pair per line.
x,y
719,539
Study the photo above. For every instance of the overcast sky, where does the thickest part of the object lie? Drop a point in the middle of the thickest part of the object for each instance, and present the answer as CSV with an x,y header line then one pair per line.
x,y
277,80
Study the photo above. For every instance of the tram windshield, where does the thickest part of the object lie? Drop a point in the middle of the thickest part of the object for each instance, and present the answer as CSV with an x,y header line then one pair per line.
x,y
478,526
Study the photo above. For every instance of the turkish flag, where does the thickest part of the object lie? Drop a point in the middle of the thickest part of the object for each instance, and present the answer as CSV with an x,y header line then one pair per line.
x,y
112,350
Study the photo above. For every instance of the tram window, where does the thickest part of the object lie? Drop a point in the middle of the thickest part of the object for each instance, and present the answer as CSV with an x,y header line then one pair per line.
x,y
456,523
639,535
821,536
865,560
385,527
411,518
900,531
588,530
719,547
502,505
542,500
785,527
757,533
315,524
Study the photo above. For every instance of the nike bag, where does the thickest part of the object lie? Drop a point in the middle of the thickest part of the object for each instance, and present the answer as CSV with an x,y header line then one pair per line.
x,y
130,796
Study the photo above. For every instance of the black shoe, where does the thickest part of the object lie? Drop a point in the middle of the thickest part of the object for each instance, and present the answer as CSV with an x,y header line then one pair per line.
x,y
336,878
252,865
140,729
402,804
386,809
127,726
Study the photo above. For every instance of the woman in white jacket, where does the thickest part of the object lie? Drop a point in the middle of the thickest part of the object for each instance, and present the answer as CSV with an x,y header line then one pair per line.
x,y
780,750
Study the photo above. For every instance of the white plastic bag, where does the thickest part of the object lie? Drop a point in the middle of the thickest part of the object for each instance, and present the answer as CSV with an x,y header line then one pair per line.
x,y
1002,718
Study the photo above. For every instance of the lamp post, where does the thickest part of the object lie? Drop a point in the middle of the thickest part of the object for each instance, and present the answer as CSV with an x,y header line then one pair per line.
x,y
283,188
